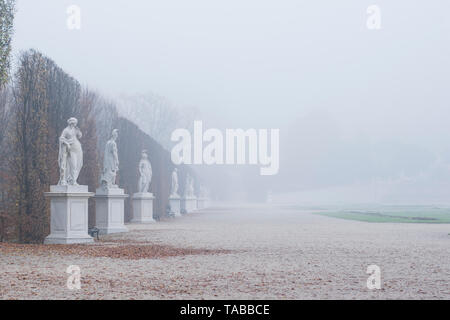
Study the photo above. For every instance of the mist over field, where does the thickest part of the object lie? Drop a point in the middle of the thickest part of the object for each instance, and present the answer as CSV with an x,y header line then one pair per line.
x,y
362,113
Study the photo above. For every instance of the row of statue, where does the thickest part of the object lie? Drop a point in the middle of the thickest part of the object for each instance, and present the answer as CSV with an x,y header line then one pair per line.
x,y
70,162
69,207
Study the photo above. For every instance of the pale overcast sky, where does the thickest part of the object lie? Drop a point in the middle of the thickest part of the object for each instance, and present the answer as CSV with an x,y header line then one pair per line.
x,y
262,63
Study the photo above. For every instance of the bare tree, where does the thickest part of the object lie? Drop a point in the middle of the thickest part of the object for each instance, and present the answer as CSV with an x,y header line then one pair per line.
x,y
155,115
30,152
5,102
4,117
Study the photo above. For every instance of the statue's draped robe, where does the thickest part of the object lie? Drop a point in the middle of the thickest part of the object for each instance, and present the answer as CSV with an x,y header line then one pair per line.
x,y
174,189
70,159
145,170
189,192
110,163
191,188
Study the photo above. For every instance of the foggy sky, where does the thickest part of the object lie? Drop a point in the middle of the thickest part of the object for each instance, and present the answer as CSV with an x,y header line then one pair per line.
x,y
264,64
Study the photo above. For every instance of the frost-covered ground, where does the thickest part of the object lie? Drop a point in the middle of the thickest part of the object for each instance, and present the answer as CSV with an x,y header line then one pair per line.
x,y
241,252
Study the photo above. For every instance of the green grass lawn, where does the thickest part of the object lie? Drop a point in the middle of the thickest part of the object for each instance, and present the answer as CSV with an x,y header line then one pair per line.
x,y
401,214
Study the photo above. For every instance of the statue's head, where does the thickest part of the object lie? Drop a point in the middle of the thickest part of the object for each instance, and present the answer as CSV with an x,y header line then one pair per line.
x,y
144,154
115,134
176,169
72,122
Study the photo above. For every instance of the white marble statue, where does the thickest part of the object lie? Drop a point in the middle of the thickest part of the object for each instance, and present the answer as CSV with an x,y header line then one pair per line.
x,y
145,173
70,157
189,186
174,189
110,162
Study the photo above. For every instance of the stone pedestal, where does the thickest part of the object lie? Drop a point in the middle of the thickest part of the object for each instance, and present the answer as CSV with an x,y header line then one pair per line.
x,y
69,215
201,203
109,210
143,208
188,204
175,205
195,204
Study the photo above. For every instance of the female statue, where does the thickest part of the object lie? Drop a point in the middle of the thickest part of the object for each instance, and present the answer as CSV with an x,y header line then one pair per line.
x,y
174,189
145,172
110,162
189,191
70,157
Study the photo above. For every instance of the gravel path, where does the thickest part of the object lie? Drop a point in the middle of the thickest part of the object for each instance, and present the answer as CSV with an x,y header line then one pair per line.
x,y
245,252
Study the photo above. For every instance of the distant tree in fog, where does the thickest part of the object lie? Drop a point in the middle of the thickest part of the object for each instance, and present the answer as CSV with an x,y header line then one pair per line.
x,y
105,114
156,115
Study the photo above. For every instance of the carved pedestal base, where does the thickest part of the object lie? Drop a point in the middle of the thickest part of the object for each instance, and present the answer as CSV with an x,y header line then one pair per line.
x,y
69,215
201,203
109,210
188,204
143,208
175,205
